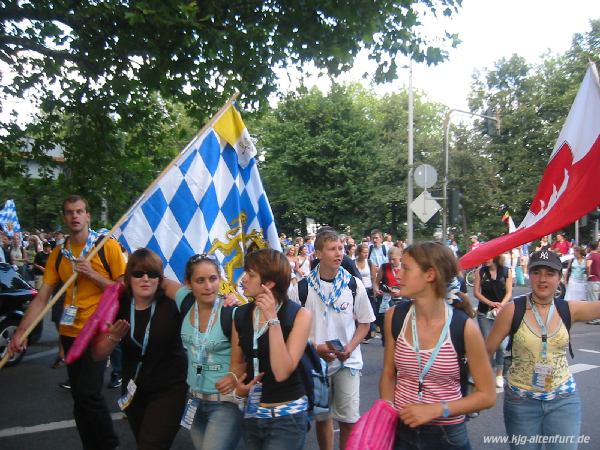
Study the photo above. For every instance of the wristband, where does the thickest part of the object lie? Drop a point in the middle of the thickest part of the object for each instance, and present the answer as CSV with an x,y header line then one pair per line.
x,y
273,322
110,337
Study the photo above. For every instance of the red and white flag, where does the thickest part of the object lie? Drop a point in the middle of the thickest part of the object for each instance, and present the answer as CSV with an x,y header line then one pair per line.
x,y
570,186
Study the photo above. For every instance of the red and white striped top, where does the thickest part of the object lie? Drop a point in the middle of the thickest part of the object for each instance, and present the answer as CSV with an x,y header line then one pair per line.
x,y
442,381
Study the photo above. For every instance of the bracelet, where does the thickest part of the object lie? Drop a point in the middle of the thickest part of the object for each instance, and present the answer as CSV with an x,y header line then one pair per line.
x,y
110,337
237,380
273,322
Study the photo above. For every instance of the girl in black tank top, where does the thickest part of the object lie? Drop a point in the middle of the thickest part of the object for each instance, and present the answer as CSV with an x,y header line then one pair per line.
x,y
269,345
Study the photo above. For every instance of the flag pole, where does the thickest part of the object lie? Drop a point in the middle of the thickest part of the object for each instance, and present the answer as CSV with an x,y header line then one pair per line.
x,y
120,222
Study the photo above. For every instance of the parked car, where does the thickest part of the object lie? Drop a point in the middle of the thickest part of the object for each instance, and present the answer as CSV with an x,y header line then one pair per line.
x,y
15,296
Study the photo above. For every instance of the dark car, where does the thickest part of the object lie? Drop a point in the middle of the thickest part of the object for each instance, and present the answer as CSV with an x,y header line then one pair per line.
x,y
15,296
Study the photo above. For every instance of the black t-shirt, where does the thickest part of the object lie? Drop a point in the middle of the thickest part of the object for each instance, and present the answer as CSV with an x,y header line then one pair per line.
x,y
41,258
165,361
493,290
272,390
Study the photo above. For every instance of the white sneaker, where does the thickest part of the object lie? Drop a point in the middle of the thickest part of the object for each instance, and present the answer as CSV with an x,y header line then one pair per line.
x,y
499,381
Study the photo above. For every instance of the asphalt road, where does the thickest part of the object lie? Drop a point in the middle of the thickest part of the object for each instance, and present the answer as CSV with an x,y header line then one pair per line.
x,y
36,414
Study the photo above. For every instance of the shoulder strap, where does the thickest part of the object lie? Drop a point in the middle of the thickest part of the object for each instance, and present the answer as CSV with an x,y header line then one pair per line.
x,y
384,250
227,314
457,331
102,256
186,304
303,291
370,251
400,312
565,314
517,318
353,287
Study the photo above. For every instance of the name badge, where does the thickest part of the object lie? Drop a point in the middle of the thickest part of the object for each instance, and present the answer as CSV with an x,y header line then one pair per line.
x,y
253,401
125,400
69,314
189,413
541,376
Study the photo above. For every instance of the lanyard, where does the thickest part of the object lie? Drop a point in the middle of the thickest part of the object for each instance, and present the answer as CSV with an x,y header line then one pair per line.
x,y
542,325
435,351
209,325
144,345
256,334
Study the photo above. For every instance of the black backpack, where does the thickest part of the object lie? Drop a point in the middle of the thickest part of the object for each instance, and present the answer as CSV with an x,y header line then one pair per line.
x,y
312,368
562,307
303,290
226,316
457,335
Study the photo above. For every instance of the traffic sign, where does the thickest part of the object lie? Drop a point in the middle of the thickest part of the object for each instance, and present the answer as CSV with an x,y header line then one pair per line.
x,y
424,206
425,176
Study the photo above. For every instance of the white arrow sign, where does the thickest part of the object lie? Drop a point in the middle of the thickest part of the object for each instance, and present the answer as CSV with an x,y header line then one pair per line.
x,y
424,206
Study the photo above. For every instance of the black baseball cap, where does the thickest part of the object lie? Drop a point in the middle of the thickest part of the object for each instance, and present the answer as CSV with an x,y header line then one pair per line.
x,y
545,258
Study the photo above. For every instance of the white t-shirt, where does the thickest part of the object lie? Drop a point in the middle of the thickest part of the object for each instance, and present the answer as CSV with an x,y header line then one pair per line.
x,y
329,324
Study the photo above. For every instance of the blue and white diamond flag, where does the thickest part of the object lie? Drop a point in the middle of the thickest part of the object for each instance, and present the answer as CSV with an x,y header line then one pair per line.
x,y
209,200
8,218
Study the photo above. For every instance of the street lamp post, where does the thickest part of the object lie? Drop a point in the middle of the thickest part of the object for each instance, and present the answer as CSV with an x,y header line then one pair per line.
x,y
409,191
446,163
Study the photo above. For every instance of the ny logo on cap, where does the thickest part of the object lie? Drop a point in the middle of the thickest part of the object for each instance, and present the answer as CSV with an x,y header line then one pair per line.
x,y
543,255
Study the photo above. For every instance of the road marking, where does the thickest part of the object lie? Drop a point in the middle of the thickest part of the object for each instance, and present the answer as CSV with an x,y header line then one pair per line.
x,y
588,351
16,431
576,368
28,357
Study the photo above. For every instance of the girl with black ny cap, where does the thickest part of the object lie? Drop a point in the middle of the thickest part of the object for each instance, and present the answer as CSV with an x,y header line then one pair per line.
x,y
540,394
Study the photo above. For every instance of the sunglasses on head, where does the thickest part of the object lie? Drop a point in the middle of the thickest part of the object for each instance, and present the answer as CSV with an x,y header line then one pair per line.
x,y
201,257
141,273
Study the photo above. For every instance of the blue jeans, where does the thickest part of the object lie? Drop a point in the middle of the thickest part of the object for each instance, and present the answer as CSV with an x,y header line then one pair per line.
x,y
526,420
432,437
285,432
216,426
485,325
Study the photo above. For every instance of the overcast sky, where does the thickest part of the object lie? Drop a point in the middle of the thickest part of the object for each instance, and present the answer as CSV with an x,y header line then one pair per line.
x,y
490,30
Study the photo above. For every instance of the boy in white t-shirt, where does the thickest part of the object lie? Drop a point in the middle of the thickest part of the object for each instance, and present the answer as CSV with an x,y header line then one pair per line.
x,y
335,311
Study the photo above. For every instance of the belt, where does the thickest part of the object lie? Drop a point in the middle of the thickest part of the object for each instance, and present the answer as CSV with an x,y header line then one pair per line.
x,y
214,397
287,409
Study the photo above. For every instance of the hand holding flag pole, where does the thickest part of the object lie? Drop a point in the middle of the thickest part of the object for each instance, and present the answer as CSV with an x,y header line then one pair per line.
x,y
119,223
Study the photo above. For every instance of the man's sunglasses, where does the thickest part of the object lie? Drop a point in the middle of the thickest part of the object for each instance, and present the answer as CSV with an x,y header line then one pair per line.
x,y
141,273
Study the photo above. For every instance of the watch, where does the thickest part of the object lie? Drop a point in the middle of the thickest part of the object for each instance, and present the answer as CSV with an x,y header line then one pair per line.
x,y
273,322
446,412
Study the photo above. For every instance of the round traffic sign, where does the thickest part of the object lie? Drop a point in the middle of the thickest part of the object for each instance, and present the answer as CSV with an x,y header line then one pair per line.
x,y
425,176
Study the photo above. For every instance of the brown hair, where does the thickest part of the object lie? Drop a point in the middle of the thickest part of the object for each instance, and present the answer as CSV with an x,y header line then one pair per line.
x,y
273,266
436,256
143,259
325,236
73,199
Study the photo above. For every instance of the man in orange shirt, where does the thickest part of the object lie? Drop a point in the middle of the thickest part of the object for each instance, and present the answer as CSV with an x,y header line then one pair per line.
x,y
86,376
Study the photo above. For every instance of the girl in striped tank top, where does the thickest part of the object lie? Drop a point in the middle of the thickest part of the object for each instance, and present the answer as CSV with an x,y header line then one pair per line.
x,y
421,375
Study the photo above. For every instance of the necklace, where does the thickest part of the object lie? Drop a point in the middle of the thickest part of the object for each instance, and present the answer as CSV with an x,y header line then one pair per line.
x,y
540,303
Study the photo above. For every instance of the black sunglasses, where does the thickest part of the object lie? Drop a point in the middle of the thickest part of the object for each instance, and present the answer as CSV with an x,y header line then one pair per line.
x,y
141,273
202,256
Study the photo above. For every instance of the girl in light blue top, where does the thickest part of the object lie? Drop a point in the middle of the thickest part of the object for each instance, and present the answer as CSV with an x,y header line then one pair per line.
x,y
212,413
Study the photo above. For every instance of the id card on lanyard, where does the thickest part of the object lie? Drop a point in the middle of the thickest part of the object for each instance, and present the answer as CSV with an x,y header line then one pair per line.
x,y
542,370
126,399
423,371
70,311
202,359
256,391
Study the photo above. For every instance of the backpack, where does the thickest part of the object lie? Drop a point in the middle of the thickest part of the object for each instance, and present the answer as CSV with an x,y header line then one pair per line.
x,y
562,307
312,368
383,249
457,335
226,316
303,290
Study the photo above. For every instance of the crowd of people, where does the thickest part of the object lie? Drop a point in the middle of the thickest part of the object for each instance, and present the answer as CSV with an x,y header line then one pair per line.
x,y
230,372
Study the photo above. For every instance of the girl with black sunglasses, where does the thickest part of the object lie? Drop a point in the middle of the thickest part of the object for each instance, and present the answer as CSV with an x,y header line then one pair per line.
x,y
154,361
